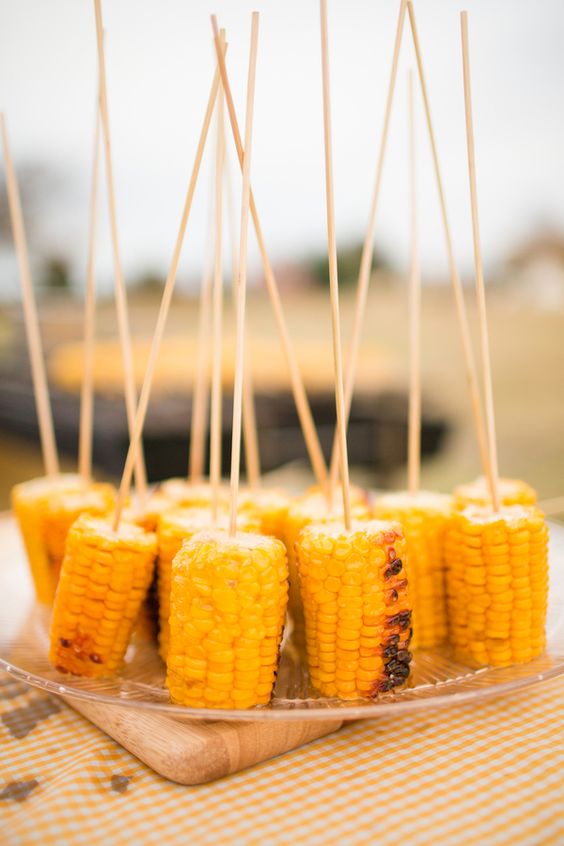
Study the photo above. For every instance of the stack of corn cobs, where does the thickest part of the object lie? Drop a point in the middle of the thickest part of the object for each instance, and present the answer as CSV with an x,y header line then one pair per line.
x,y
421,570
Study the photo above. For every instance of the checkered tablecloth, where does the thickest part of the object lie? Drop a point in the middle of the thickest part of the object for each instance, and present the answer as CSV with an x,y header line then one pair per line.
x,y
476,774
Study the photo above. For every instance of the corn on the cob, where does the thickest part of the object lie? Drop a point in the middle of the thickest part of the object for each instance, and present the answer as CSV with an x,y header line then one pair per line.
x,y
497,584
45,509
424,517
511,492
174,528
104,579
357,611
228,603
313,508
189,494
271,505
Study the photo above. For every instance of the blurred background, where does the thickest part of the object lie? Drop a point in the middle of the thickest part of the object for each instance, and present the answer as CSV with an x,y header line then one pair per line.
x,y
159,68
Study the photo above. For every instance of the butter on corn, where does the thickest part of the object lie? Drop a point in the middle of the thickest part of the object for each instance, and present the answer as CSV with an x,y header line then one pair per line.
x,y
174,528
425,517
356,605
104,579
497,584
45,509
228,604
312,507
511,492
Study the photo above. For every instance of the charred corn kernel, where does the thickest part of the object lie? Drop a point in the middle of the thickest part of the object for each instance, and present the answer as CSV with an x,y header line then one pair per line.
x,y
247,571
511,492
89,636
272,507
424,517
313,508
45,509
174,528
489,617
355,665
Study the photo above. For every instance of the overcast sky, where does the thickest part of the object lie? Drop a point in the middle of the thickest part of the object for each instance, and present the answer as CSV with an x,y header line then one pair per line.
x,y
159,66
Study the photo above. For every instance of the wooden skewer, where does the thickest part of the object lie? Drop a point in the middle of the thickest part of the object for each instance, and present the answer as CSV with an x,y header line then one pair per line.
x,y
469,362
120,292
38,373
200,400
368,247
300,397
414,426
163,310
493,477
87,391
333,273
217,335
250,434
242,278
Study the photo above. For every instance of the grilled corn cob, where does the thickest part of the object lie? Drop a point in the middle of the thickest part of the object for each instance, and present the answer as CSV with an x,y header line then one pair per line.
x,y
174,528
497,584
45,509
313,508
511,492
188,494
424,517
104,579
357,611
271,506
228,603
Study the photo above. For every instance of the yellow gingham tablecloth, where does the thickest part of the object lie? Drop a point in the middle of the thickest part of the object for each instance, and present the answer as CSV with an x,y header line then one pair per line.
x,y
476,774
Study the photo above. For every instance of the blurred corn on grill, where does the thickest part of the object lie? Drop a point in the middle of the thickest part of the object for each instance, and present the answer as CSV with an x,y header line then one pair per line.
x,y
511,492
497,584
424,517
104,579
174,528
45,509
228,603
357,612
313,508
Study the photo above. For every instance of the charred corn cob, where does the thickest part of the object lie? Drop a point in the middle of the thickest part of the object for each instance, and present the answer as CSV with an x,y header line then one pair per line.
x,y
424,517
228,603
313,508
497,584
45,509
104,579
272,508
511,492
174,528
357,611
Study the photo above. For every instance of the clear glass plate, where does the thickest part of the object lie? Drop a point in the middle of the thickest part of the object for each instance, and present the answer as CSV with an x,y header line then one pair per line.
x,y
436,681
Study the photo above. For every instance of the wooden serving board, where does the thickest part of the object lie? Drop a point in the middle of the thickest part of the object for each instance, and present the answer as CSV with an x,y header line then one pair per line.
x,y
197,752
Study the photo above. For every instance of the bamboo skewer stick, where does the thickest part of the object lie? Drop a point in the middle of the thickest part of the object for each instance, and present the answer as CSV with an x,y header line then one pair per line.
x,y
493,476
414,425
333,273
164,308
217,339
200,399
471,374
300,398
87,391
242,278
38,372
120,292
368,246
250,435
